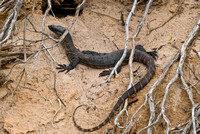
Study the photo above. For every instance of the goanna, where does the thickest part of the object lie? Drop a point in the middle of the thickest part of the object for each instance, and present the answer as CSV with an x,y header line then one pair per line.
x,y
105,60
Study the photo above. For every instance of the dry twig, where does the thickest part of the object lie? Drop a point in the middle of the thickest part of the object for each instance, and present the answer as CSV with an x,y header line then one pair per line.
x,y
131,57
149,94
60,106
9,24
43,29
38,93
179,72
126,44
56,90
4,36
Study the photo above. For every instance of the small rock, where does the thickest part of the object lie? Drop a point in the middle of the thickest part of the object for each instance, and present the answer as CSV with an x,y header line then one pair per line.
x,y
2,78
101,94
172,9
12,86
3,92
8,124
117,76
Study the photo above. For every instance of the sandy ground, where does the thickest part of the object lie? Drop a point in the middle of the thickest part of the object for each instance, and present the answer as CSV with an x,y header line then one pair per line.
x,y
99,29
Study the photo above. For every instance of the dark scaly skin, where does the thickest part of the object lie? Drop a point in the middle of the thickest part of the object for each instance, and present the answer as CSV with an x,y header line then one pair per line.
x,y
91,58
105,60
149,62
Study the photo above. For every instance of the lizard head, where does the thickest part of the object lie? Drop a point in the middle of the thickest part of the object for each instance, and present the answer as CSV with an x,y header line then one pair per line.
x,y
58,30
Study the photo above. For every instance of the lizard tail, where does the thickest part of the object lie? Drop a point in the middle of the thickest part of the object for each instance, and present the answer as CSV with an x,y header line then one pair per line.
x,y
120,101
128,93
149,62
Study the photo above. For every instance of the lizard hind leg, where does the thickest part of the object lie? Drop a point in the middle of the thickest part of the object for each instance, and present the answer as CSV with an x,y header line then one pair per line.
x,y
151,53
107,72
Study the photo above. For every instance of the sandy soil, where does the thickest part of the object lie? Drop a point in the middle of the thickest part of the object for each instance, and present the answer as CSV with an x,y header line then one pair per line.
x,y
99,29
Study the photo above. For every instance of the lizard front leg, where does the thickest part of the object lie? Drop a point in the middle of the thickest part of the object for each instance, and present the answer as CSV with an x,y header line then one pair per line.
x,y
72,65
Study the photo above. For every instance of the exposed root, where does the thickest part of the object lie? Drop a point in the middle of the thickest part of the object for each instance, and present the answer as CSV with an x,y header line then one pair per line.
x,y
126,44
131,60
60,106
9,24
179,73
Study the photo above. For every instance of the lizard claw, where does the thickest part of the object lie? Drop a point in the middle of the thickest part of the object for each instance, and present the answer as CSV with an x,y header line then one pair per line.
x,y
63,67
153,54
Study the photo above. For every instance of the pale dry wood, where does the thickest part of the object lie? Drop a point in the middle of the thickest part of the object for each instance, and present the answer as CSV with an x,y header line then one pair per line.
x,y
179,73
131,55
9,23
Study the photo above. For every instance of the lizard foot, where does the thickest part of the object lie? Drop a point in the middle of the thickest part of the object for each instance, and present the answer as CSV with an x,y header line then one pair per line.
x,y
63,67
153,54
105,72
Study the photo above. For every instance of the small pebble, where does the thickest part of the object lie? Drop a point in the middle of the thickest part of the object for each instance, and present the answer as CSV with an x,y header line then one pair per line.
x,y
3,92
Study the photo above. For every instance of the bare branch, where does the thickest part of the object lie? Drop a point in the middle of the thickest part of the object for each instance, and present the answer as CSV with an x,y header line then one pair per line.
x,y
9,24
56,90
190,39
126,44
149,94
38,93
131,55
43,28
52,122
24,49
